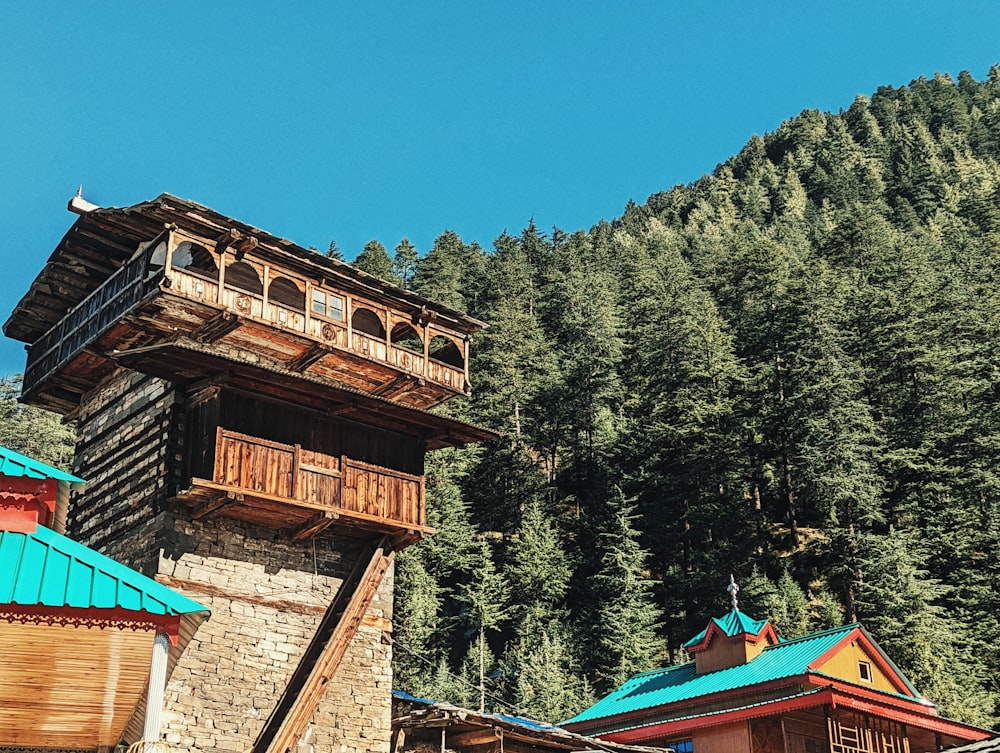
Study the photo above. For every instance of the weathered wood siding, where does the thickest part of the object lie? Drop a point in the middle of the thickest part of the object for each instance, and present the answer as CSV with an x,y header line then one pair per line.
x,y
312,431
127,445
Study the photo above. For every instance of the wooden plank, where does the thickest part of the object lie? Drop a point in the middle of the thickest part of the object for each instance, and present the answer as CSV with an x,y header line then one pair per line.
x,y
297,705
315,524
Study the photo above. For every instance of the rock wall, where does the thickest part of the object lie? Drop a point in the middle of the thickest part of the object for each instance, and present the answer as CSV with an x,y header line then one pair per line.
x,y
267,597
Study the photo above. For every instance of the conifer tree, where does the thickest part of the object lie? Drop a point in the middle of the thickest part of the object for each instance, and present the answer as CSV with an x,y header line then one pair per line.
x,y
485,599
404,263
375,260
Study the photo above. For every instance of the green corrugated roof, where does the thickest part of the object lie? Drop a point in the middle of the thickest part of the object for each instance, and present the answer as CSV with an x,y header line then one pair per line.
x,y
733,624
44,568
681,683
17,465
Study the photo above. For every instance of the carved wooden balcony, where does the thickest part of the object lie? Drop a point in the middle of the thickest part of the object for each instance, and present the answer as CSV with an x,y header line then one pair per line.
x,y
237,299
289,488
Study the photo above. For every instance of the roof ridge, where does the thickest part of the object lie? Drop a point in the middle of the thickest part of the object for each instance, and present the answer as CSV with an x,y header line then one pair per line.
x,y
811,636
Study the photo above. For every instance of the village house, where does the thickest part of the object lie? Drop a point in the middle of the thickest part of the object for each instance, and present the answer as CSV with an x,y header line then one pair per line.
x,y
84,641
422,726
252,420
749,691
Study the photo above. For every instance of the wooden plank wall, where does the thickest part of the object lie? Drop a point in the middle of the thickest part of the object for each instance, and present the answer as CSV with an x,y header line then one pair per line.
x,y
327,435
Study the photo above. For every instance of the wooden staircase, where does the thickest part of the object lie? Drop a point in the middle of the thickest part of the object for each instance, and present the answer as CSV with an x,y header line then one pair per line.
x,y
308,683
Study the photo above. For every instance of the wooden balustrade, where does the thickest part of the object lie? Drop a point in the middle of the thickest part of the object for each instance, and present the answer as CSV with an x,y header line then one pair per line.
x,y
249,465
88,320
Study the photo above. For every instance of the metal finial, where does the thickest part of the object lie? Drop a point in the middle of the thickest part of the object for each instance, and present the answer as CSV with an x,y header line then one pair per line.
x,y
733,590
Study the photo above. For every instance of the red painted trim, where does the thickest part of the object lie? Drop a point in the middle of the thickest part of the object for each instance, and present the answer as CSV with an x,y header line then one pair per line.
x,y
44,488
873,651
826,697
713,629
125,619
26,503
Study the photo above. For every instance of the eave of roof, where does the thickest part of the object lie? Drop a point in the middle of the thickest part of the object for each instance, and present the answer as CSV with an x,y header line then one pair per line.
x,y
102,240
46,569
16,465
824,696
680,683
438,430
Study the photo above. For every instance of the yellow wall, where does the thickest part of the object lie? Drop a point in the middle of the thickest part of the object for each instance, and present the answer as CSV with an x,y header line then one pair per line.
x,y
844,665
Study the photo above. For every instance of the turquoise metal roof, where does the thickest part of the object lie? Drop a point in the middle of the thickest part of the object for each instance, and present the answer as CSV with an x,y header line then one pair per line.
x,y
16,465
733,624
681,683
44,568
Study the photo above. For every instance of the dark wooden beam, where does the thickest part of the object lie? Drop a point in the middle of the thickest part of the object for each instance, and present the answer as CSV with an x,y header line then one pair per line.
x,y
317,523
217,505
218,327
315,354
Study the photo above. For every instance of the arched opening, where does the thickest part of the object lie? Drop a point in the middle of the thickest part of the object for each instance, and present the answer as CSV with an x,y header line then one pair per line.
x,y
446,351
195,259
243,276
404,336
284,292
364,320
158,257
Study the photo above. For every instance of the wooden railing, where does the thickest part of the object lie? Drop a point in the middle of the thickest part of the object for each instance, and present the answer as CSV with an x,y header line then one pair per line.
x,y
134,281
90,318
251,464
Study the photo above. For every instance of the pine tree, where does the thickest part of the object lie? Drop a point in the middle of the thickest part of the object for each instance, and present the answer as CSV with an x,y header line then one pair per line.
x,y
485,598
404,263
622,631
375,260
34,432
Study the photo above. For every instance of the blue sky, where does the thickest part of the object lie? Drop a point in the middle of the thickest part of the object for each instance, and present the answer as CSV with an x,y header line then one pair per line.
x,y
353,121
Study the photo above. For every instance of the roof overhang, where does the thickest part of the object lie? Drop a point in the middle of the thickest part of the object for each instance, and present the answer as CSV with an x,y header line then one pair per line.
x,y
887,707
102,240
884,663
187,361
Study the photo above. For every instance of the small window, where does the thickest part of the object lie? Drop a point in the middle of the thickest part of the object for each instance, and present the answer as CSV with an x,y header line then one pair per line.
x,y
404,336
327,304
865,671
446,351
241,275
681,746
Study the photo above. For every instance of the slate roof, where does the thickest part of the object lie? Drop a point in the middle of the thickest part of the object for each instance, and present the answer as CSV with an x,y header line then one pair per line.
x,y
983,746
424,714
44,568
16,465
681,683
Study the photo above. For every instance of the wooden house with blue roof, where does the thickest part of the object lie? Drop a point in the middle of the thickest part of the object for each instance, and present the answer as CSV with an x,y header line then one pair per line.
x,y
749,691
85,642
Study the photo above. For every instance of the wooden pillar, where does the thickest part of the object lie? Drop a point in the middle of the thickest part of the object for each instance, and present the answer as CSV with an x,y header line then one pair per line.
x,y
155,691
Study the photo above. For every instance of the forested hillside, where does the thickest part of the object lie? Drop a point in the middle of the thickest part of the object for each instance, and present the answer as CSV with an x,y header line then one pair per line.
x,y
787,371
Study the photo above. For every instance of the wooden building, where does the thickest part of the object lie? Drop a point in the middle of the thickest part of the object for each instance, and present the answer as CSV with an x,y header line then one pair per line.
x,y
748,691
252,421
84,641
422,726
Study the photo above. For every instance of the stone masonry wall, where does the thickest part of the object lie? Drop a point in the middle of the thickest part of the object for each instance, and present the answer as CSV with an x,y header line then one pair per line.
x,y
267,596
126,435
